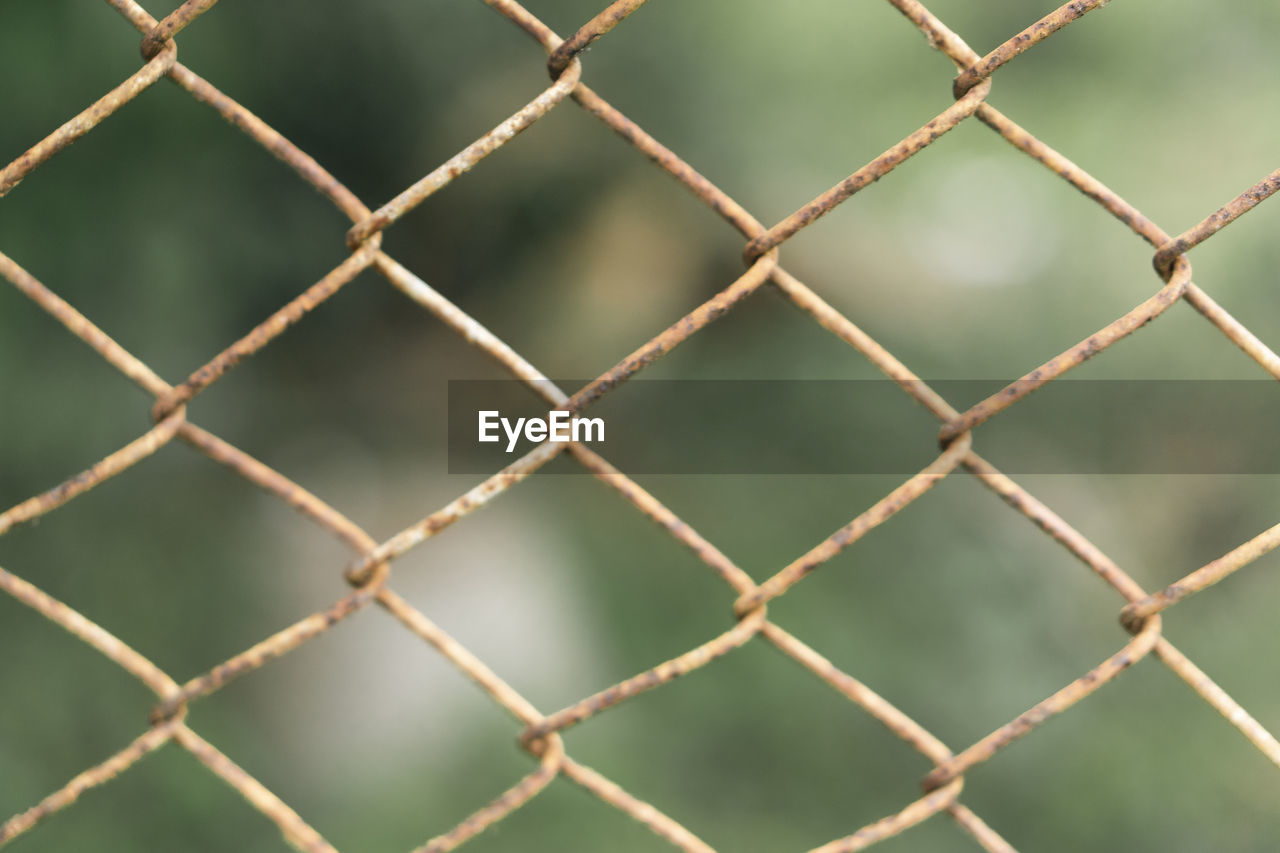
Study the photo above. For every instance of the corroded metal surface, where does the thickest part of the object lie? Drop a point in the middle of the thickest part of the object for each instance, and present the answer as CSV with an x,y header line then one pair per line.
x,y
370,568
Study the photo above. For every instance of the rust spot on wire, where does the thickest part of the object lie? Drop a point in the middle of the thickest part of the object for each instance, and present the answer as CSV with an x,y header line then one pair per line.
x,y
269,329
1211,224
142,79
693,659
657,822
675,334
142,746
173,23
939,35
922,809
868,174
466,159
295,830
1077,355
124,458
1136,614
1133,651
1032,35
519,794
614,14
882,511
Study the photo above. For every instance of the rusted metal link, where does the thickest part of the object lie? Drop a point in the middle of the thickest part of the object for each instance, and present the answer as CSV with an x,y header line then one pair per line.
x,y
1132,217
270,139
650,506
893,719
677,333
457,654
515,797
137,83
868,174
142,746
1214,222
880,512
361,571
268,330
896,722
1135,615
921,739
468,328
1061,166
124,458
1032,35
657,822
1054,526
234,112
1088,553
275,483
988,838
665,159
265,651
1135,650
695,658
213,447
1246,340
90,632
1230,709
525,712
486,341
139,17
463,161
939,35
80,326
614,14
172,709
1077,355
295,830
1112,202
527,21
919,811
174,23
835,322
123,655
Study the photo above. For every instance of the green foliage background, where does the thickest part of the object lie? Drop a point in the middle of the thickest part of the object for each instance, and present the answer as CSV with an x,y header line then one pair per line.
x,y
176,234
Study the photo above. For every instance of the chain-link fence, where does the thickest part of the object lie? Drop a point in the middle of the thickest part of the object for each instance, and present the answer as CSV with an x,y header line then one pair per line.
x,y
370,570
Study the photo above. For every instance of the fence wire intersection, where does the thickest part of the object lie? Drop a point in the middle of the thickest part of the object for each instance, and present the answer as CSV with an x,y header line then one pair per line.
x,y
369,570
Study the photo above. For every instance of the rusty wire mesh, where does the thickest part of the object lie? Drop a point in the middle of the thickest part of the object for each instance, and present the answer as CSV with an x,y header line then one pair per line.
x,y
369,572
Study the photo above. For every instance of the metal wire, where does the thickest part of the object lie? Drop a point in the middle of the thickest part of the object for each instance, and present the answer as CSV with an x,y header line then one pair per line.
x,y
369,571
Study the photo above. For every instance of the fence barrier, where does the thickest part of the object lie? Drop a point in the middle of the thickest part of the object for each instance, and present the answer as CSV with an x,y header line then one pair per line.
x,y
369,572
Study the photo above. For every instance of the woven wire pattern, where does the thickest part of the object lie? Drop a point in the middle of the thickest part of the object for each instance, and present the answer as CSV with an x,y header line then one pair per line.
x,y
369,572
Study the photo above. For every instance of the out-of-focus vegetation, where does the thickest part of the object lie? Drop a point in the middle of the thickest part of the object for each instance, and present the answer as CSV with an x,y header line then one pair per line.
x,y
176,234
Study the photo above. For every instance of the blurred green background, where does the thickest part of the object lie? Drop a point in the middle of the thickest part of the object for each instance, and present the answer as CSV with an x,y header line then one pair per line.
x,y
176,234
